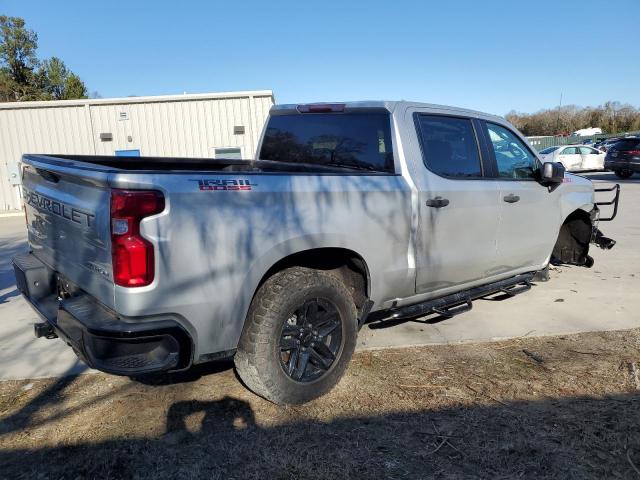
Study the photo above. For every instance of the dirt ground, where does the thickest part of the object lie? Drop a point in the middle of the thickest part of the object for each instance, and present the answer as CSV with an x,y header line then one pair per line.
x,y
552,407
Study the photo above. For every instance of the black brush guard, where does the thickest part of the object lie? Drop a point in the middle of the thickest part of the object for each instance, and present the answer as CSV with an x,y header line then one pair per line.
x,y
596,235
613,202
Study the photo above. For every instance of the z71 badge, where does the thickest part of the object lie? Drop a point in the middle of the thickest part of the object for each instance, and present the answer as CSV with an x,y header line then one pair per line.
x,y
231,184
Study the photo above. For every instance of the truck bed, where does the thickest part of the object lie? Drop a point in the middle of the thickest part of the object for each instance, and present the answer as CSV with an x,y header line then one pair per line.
x,y
107,163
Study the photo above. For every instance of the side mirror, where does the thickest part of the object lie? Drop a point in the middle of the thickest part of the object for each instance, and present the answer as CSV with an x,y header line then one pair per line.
x,y
552,173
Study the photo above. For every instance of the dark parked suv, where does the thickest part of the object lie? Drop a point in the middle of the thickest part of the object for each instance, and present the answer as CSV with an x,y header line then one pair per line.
x,y
624,157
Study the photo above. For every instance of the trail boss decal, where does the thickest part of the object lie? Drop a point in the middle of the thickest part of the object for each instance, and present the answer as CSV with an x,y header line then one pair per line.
x,y
231,184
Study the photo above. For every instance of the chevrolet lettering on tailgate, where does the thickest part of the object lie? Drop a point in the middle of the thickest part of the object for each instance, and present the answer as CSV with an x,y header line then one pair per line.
x,y
58,208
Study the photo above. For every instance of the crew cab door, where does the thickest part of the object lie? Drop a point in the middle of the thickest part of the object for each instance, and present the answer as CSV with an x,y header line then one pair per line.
x,y
529,212
571,159
592,159
458,206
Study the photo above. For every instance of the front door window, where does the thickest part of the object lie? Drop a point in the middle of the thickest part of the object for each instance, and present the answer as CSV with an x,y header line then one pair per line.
x,y
514,160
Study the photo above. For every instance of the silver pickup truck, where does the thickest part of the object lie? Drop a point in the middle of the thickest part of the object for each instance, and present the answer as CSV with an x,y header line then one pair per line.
x,y
351,212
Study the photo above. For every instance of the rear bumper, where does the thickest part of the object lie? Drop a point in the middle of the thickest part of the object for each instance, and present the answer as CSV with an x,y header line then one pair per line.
x,y
103,339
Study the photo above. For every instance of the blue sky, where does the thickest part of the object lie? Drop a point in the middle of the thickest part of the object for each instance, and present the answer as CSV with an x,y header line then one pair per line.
x,y
490,55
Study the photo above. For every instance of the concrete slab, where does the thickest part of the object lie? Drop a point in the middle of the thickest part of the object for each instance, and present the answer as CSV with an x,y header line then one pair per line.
x,y
606,297
12,213
21,354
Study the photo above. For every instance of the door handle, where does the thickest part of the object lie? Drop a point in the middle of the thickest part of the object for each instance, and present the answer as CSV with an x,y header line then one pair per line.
x,y
437,202
511,198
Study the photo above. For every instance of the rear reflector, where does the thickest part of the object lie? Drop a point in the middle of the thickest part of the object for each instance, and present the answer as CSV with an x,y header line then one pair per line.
x,y
321,108
132,255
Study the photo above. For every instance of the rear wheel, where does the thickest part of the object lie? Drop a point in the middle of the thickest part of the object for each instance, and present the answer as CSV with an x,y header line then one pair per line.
x,y
299,337
623,173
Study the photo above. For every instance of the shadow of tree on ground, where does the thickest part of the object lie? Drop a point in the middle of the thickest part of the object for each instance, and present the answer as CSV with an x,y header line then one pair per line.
x,y
450,411
568,438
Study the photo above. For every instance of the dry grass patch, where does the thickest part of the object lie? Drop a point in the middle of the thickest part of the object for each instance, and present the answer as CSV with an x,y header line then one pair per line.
x,y
550,407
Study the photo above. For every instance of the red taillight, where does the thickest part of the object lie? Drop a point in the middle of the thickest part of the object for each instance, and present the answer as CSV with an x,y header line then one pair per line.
x,y
633,152
132,255
321,108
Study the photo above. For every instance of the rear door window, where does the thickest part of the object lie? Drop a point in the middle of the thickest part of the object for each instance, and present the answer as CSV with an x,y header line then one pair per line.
x,y
588,151
449,146
360,141
548,150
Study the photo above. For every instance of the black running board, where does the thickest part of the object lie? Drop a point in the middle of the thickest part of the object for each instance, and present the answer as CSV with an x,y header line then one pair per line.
x,y
460,302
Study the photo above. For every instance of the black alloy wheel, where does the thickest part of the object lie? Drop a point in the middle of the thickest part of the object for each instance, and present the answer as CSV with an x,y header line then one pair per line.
x,y
311,340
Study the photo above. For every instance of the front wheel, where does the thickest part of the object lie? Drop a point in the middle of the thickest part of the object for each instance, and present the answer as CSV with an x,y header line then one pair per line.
x,y
623,173
299,336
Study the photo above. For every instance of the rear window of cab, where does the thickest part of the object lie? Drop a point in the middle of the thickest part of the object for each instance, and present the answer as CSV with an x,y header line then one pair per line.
x,y
361,141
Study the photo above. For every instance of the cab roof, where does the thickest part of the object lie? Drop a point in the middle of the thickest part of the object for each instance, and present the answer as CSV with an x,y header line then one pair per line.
x,y
388,105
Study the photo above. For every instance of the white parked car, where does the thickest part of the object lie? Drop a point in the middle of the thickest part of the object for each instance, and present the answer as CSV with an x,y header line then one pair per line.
x,y
575,158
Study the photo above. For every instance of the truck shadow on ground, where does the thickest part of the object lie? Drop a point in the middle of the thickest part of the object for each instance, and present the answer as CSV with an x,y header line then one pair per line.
x,y
6,296
194,373
570,438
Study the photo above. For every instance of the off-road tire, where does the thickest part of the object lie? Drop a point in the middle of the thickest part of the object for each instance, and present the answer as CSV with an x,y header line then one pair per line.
x,y
623,173
257,358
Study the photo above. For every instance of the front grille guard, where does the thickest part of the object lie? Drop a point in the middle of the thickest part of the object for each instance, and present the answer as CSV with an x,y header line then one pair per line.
x,y
613,202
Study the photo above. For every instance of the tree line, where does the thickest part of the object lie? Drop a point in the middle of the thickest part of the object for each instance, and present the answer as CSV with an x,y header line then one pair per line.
x,y
23,76
611,117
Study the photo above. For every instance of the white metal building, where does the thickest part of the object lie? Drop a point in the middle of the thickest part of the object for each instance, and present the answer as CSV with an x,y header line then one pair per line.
x,y
203,125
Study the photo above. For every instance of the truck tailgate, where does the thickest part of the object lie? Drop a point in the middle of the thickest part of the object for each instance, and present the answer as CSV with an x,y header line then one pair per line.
x,y
67,213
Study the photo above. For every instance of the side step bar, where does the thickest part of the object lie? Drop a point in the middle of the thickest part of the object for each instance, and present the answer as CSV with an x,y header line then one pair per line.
x,y
460,302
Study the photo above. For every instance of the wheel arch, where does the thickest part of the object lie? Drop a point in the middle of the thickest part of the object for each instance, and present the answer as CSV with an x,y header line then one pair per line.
x,y
345,263
584,210
574,238
349,265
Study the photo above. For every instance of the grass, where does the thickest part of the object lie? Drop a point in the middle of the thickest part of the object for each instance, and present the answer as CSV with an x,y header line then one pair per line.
x,y
453,411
